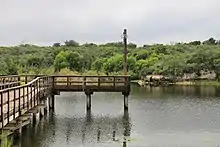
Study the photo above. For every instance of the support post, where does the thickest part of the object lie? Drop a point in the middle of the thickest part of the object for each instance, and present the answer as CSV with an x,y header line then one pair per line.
x,y
41,113
126,94
88,102
126,102
2,110
46,106
88,99
99,134
34,118
20,128
51,102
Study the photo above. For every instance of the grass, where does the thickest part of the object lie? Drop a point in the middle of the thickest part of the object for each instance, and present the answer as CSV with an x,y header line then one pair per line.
x,y
5,141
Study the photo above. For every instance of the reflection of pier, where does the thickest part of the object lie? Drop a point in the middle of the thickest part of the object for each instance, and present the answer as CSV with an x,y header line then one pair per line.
x,y
99,129
81,130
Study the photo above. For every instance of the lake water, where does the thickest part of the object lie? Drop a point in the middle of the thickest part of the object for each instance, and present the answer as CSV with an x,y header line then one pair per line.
x,y
176,116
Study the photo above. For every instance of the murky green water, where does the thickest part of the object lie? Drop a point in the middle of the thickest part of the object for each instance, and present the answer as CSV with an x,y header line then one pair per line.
x,y
158,117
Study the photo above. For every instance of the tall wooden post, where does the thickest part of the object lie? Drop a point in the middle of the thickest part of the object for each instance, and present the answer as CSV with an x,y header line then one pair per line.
x,y
125,52
125,67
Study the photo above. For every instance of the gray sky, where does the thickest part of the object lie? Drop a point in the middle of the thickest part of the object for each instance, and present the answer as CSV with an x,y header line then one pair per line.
x,y
44,22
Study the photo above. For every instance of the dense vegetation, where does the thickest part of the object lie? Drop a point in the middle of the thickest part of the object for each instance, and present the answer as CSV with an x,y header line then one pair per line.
x,y
171,60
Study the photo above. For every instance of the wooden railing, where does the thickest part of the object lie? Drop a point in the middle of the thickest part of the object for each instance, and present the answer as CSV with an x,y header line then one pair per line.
x,y
18,78
95,83
19,94
17,100
9,85
9,79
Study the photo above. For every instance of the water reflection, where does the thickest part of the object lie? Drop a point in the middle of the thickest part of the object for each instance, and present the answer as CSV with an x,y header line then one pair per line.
x,y
183,91
91,129
161,116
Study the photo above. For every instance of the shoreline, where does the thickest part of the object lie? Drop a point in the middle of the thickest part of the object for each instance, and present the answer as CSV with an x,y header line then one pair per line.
x,y
182,83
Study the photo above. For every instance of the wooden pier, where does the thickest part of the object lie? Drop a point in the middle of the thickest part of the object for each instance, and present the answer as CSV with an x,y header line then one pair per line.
x,y
24,97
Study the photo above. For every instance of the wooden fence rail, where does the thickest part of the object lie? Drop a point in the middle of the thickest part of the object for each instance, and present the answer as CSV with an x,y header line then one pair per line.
x,y
9,85
94,83
17,100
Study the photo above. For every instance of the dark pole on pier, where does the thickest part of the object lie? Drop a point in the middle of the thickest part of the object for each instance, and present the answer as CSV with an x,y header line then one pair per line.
x,y
125,52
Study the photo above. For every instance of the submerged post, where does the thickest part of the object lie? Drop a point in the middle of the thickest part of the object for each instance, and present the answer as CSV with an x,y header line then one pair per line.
x,y
46,106
34,118
125,94
126,102
51,102
88,99
88,102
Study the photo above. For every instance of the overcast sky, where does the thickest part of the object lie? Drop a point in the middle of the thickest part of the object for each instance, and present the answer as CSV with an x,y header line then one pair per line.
x,y
44,22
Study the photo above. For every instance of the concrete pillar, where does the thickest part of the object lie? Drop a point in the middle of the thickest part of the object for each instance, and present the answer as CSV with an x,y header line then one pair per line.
x,y
88,102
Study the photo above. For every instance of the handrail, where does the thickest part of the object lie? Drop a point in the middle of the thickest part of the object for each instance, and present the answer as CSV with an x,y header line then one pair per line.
x,y
8,85
11,83
21,86
24,96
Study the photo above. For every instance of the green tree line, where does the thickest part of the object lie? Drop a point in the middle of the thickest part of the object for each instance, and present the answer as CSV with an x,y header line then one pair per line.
x,y
174,60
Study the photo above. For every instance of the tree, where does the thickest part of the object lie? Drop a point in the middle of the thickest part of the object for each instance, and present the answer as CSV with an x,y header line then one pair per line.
x,y
12,67
142,54
60,61
56,45
71,43
115,63
98,64
34,61
146,46
90,45
210,41
195,43
4,68
217,68
74,60
132,45
113,44
68,59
